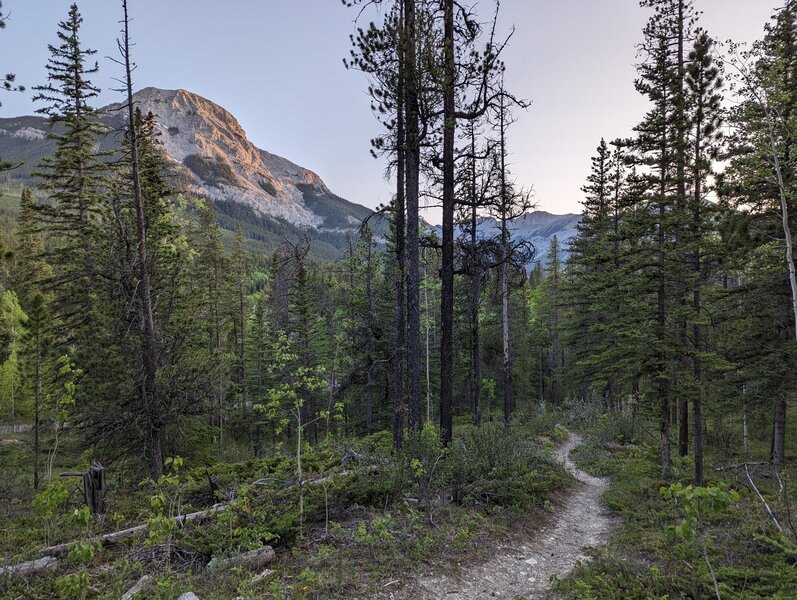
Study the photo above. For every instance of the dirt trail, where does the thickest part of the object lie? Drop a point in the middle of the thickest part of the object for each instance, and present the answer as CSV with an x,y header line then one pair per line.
x,y
524,570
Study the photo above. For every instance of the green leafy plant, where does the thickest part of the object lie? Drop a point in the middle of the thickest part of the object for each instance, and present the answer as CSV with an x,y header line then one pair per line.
x,y
165,504
698,503
46,504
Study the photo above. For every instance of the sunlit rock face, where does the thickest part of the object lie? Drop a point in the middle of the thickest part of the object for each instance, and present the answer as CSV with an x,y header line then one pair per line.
x,y
210,157
215,159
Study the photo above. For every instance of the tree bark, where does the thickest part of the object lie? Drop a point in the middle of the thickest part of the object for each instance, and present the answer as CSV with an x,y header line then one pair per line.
x,y
697,402
413,221
37,407
369,407
400,229
779,431
474,294
504,282
148,347
447,292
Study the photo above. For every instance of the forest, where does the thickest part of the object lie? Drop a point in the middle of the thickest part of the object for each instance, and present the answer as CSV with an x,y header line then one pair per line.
x,y
454,413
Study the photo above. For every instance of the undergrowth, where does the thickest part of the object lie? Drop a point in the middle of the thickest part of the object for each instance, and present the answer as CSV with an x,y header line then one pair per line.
x,y
677,541
365,523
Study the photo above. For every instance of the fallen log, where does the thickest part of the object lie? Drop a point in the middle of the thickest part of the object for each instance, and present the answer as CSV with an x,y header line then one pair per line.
x,y
111,538
137,588
46,563
254,560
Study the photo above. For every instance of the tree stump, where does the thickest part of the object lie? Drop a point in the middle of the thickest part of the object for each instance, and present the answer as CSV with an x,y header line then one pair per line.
x,y
93,487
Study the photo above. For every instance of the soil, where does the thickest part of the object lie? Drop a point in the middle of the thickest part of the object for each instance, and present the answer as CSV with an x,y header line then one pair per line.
x,y
524,568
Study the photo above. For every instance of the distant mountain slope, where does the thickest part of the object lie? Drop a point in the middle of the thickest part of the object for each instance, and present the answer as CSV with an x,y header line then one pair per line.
x,y
265,194
538,228
211,157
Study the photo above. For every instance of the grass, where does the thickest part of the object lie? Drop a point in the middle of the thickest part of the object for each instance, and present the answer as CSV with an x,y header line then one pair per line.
x,y
373,526
646,560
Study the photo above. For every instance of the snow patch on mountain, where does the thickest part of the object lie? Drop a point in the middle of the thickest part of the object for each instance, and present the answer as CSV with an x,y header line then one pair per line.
x,y
26,133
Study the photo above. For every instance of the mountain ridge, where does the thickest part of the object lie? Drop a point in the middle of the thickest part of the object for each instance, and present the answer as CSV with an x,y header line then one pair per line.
x,y
210,156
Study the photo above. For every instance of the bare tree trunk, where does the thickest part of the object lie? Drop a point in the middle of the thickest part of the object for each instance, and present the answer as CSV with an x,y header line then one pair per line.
x,y
149,392
784,208
36,409
474,293
779,431
683,425
504,282
369,407
428,343
745,429
447,292
662,379
779,423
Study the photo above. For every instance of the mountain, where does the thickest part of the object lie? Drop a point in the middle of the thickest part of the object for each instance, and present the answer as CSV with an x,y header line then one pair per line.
x,y
538,228
268,196
211,157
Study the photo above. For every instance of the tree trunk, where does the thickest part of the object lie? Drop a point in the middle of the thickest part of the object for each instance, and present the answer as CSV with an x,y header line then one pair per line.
x,y
413,222
683,426
504,282
148,346
662,378
697,332
779,431
474,293
36,408
369,407
400,232
428,344
447,292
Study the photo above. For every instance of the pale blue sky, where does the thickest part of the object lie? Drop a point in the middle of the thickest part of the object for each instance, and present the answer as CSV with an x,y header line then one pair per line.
x,y
277,66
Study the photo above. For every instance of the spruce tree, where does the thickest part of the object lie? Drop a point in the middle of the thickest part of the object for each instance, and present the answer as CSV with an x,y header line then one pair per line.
x,y
761,178
73,177
704,85
8,84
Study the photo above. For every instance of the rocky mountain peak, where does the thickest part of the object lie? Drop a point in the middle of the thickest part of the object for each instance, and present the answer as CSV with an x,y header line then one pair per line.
x,y
215,159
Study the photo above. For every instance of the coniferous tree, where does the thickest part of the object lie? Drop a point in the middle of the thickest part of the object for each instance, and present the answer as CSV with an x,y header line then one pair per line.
x,y
149,333
74,178
660,150
8,84
703,95
761,178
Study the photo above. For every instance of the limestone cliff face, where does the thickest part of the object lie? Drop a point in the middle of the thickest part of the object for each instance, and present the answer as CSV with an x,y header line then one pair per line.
x,y
213,156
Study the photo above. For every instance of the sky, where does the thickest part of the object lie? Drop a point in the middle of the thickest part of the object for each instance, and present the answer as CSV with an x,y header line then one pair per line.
x,y
277,66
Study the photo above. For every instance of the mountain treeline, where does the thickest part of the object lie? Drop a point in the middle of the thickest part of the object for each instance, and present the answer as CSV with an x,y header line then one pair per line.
x,y
136,330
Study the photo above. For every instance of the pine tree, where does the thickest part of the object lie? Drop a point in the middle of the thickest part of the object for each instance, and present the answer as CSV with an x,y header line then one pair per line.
x,y
761,177
553,292
74,177
8,83
703,93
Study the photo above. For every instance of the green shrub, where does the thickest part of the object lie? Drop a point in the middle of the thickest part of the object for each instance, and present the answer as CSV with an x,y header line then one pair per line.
x,y
501,465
